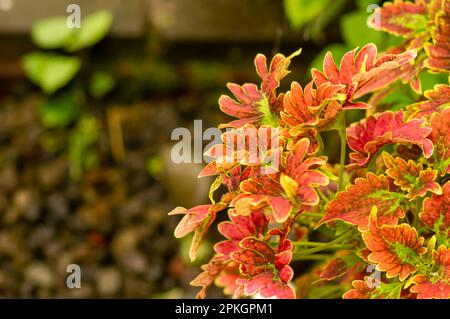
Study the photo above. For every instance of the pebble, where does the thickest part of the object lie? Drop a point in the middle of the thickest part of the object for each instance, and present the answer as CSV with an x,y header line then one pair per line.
x,y
40,275
109,281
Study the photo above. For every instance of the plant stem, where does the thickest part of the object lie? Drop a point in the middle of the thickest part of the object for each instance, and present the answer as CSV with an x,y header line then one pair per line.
x,y
318,244
310,214
308,243
325,246
343,137
320,142
314,257
328,292
322,195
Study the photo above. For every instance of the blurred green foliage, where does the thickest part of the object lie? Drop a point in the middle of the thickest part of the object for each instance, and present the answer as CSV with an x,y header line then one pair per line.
x,y
155,166
356,33
60,111
93,28
52,71
301,12
49,70
313,16
54,33
101,83
51,33
82,146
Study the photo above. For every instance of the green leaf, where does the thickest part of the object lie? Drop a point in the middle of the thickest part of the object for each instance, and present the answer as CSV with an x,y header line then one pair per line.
x,y
364,4
388,291
50,71
59,112
429,80
355,31
289,186
101,83
82,153
398,97
51,33
93,28
214,186
300,12
412,21
155,165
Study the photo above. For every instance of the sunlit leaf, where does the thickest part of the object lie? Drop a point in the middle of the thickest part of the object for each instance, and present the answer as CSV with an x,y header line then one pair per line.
x,y
394,249
355,203
50,71
369,135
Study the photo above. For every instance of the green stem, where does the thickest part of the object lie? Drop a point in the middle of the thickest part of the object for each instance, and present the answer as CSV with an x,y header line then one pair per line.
x,y
322,195
314,257
316,244
328,292
325,246
320,141
372,167
310,214
343,137
308,243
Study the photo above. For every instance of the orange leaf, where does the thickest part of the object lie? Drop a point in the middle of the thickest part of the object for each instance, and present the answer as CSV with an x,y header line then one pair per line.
x,y
436,284
394,249
253,105
439,51
355,203
411,177
440,136
438,99
436,211
369,135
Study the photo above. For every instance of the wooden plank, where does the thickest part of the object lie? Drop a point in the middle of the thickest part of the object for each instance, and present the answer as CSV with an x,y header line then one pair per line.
x,y
129,15
175,20
217,20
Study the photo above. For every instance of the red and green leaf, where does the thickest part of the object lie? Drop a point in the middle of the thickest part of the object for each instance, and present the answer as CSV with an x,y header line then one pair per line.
x,y
253,105
436,212
198,220
227,279
410,177
267,286
435,284
361,72
440,136
439,50
265,269
355,203
402,18
311,107
361,290
438,99
339,266
293,187
367,289
210,271
247,145
369,135
238,228
394,249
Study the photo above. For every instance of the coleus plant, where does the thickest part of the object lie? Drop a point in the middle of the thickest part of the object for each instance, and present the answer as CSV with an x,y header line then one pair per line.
x,y
374,225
